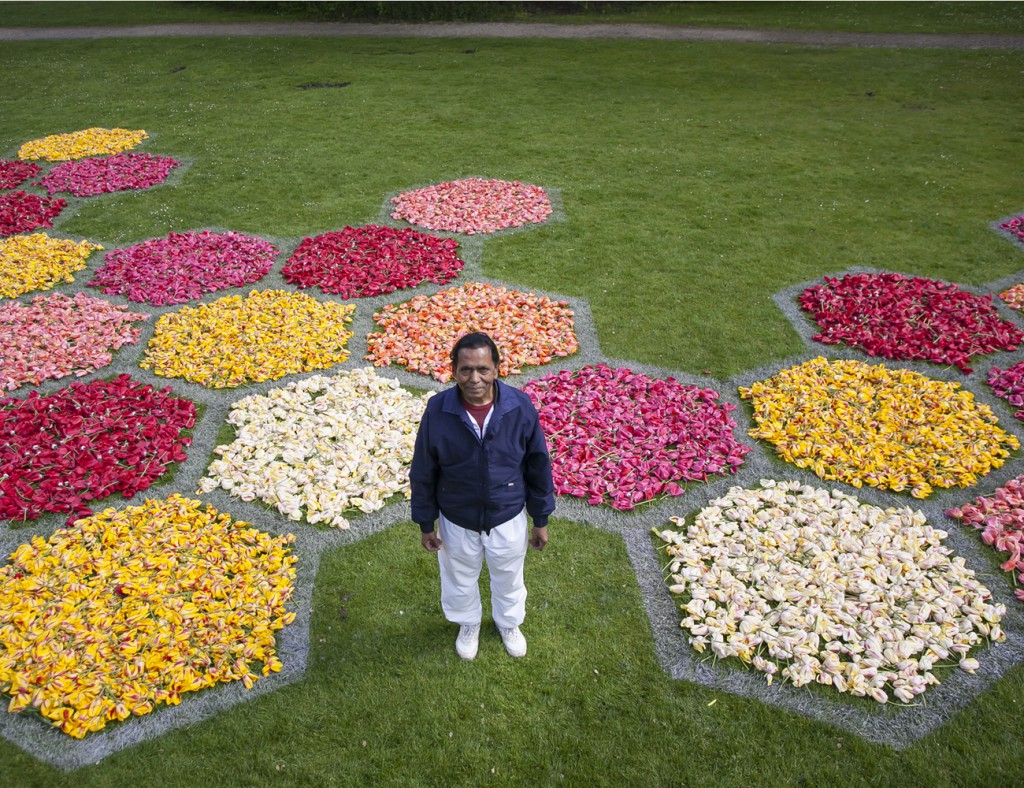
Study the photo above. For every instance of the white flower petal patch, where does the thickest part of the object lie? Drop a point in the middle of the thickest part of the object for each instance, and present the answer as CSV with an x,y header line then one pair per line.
x,y
814,586
321,447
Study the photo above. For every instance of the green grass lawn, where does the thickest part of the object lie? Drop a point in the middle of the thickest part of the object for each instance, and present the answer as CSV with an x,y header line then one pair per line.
x,y
697,180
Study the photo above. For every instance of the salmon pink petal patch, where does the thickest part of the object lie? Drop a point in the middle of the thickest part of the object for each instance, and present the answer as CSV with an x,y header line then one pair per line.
x,y
473,205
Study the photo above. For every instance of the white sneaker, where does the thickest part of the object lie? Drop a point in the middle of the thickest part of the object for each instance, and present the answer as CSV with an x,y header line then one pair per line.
x,y
515,643
468,640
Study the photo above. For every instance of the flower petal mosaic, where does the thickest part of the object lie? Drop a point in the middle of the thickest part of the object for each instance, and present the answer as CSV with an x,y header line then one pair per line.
x,y
39,262
263,336
121,172
86,442
57,335
419,334
184,266
80,144
903,317
1008,384
473,205
624,438
129,609
15,173
813,586
372,260
865,424
21,212
1014,227
323,448
1000,518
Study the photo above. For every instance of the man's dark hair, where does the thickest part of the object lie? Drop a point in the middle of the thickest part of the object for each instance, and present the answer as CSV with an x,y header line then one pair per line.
x,y
472,341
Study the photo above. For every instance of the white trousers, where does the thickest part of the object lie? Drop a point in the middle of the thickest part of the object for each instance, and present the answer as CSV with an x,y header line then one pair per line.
x,y
461,558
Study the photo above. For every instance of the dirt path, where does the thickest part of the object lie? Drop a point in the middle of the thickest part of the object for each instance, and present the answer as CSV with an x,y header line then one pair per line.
x,y
525,30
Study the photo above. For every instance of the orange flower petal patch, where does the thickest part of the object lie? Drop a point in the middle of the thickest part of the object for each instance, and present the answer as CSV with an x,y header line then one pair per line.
x,y
134,607
529,329
235,340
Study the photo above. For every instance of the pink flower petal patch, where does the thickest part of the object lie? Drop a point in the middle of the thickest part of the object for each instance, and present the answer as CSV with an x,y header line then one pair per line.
x,y
473,205
118,173
621,437
184,266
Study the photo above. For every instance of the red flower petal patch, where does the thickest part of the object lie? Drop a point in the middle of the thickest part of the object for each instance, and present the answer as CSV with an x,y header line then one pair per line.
x,y
15,173
901,317
21,212
372,260
86,442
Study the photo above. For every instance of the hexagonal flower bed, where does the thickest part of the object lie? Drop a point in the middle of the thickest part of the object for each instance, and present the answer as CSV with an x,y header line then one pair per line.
x,y
323,447
21,212
902,317
117,173
815,586
56,336
86,442
891,429
473,205
372,260
129,609
39,262
15,173
1000,518
184,266
419,334
235,340
624,438
79,144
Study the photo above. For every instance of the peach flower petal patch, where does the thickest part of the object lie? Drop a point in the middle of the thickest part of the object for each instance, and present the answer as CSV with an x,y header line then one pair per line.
x,y
529,329
473,205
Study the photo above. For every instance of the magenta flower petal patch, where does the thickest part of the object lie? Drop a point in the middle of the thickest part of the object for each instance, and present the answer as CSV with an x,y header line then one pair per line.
x,y
21,212
623,438
57,335
1014,227
473,205
87,442
372,260
122,172
1008,384
1000,518
15,173
908,318
184,266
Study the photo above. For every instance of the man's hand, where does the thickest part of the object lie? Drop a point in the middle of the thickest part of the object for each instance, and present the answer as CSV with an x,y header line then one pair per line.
x,y
539,538
431,542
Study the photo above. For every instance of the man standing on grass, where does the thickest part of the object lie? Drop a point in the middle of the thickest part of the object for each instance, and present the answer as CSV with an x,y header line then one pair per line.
x,y
480,466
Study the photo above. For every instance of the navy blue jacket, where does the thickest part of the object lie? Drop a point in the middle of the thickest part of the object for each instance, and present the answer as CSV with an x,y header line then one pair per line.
x,y
480,484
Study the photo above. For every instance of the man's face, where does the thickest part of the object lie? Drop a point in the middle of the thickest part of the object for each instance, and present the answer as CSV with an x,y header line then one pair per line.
x,y
475,373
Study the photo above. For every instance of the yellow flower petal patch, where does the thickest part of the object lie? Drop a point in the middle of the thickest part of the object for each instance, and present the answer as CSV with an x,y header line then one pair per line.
x,y
39,262
264,336
865,424
131,608
79,144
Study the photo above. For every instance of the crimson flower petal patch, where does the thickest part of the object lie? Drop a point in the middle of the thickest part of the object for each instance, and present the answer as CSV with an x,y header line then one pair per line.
x,y
15,173
901,317
620,437
372,260
21,212
86,442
